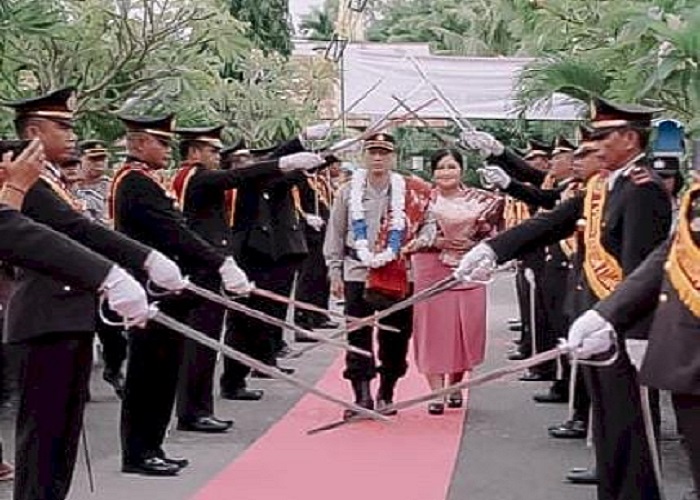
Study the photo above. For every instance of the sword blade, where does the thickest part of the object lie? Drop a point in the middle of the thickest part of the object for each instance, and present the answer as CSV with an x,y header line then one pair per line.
x,y
499,373
261,316
253,363
454,113
261,292
439,287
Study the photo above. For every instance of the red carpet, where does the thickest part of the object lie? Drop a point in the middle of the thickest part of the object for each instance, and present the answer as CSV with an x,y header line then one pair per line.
x,y
409,459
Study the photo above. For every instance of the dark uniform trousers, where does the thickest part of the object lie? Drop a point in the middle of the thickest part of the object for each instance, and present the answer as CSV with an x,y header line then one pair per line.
x,y
249,335
619,433
195,392
687,408
313,285
61,361
114,345
393,346
155,353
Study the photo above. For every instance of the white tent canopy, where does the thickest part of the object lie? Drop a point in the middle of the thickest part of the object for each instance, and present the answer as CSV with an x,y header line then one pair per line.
x,y
478,87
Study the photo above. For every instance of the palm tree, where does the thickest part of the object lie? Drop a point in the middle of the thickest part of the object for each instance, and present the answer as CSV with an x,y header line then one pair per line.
x,y
319,24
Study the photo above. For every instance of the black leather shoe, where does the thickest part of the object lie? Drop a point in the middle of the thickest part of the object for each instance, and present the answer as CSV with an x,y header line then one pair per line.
x,y
151,467
436,408
228,422
242,394
179,462
516,327
582,476
531,376
383,403
283,351
348,414
571,429
203,424
517,355
551,397
116,380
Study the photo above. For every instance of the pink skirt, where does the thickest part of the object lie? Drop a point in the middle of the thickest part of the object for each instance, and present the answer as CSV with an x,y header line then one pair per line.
x,y
449,330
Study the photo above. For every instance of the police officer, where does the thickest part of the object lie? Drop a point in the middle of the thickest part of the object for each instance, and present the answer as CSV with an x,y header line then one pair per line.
x,y
668,282
269,242
626,213
56,345
201,190
143,208
316,198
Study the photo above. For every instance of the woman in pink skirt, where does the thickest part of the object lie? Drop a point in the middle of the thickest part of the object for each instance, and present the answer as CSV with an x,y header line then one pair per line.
x,y
449,330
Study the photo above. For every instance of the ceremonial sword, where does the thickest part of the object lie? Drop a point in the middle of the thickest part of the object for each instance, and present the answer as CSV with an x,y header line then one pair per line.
x,y
511,368
261,316
199,337
261,292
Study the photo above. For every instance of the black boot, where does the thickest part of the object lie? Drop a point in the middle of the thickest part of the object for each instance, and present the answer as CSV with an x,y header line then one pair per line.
x,y
363,397
385,395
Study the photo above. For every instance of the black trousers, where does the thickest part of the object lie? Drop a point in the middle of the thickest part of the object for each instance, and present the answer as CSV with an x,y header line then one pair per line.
x,y
687,409
393,346
313,285
196,387
251,336
623,459
54,377
155,354
114,346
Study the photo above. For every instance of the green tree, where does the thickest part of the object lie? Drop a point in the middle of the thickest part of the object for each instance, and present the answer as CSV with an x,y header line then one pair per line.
x,y
269,27
319,24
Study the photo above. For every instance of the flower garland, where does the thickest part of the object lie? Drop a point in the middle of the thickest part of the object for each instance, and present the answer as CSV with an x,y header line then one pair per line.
x,y
397,219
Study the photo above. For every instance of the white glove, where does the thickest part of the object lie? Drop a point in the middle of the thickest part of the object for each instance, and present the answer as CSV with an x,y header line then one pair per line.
x,y
485,143
495,176
126,297
590,334
233,278
163,272
300,161
382,259
363,253
477,264
317,131
314,221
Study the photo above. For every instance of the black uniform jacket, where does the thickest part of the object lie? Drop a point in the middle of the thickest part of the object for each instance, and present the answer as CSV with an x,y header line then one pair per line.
x,y
30,245
41,304
205,199
267,222
144,211
636,219
535,196
672,360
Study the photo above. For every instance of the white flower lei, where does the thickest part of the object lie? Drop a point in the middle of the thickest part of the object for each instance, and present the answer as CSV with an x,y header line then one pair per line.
x,y
397,217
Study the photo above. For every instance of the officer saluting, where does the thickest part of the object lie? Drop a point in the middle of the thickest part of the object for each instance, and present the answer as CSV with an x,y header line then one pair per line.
x,y
56,345
627,213
144,209
201,189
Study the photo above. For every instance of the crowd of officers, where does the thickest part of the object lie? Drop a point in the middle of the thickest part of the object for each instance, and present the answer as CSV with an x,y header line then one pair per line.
x,y
580,220
229,219
608,254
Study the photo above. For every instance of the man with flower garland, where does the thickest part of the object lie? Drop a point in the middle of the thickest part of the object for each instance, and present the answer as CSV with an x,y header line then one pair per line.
x,y
371,218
